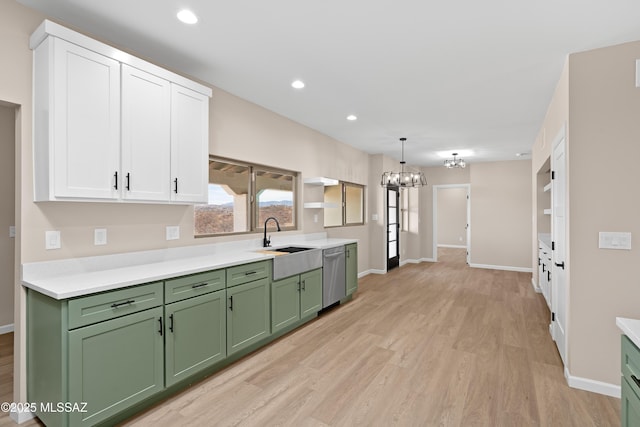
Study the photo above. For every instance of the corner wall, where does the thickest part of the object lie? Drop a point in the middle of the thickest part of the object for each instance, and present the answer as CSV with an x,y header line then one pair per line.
x,y
604,117
7,215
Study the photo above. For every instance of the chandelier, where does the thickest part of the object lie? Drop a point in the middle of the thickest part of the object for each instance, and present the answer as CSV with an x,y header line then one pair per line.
x,y
403,179
454,163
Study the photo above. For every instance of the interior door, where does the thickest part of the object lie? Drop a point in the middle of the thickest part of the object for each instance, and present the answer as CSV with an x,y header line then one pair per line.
x,y
558,236
393,228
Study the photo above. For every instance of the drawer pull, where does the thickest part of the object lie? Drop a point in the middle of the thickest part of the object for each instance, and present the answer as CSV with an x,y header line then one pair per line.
x,y
199,285
635,380
120,304
249,273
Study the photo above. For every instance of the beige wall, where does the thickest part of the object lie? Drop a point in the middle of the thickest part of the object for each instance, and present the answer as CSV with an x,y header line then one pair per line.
x,y
7,212
452,216
501,220
604,117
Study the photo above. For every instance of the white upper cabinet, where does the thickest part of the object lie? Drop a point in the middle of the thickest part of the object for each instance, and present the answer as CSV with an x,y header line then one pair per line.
x,y
77,127
146,136
112,127
189,145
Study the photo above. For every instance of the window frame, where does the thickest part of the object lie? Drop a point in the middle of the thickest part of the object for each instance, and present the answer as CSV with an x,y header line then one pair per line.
x,y
343,202
252,211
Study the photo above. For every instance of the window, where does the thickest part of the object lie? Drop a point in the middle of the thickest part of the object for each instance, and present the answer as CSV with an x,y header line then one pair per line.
x,y
243,196
348,202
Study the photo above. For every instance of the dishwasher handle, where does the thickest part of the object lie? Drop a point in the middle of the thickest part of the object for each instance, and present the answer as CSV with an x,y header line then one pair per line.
x,y
334,255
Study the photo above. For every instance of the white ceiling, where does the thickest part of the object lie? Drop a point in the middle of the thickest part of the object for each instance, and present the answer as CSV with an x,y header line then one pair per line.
x,y
460,75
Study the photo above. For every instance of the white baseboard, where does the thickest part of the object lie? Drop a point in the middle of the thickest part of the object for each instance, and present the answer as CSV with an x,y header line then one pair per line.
x,y
6,329
536,288
22,416
427,260
503,267
372,271
409,261
592,385
453,246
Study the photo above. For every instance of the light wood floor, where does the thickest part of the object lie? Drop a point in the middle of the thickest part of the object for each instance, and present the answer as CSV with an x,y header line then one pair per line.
x,y
427,344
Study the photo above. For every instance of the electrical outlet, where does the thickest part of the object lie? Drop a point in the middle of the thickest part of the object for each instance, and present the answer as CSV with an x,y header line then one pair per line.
x,y
100,236
315,217
12,231
52,240
173,232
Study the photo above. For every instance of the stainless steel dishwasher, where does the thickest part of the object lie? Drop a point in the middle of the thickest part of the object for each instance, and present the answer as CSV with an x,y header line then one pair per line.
x,y
333,275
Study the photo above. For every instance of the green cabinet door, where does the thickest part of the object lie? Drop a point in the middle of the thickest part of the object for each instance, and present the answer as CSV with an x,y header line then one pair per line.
x,y
310,293
630,405
115,364
195,335
248,314
285,302
352,267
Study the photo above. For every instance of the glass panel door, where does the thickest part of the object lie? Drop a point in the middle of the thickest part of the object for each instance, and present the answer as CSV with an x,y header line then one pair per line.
x,y
393,228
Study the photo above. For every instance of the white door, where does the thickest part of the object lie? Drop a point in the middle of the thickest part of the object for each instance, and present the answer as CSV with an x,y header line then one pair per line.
x,y
189,145
86,122
146,136
559,300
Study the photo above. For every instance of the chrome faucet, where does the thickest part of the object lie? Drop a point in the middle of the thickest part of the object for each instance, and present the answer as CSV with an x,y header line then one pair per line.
x,y
267,242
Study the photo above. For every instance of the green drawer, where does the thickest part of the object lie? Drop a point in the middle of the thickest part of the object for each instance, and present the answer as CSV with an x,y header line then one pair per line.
x,y
109,305
247,273
185,287
631,363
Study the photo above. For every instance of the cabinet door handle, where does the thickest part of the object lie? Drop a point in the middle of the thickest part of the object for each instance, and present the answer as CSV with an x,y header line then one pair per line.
x,y
561,265
543,266
635,380
304,285
160,330
128,186
199,285
548,274
175,185
171,322
231,303
120,304
115,180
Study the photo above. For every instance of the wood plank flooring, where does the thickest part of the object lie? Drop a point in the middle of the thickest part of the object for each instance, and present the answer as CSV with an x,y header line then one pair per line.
x,y
427,344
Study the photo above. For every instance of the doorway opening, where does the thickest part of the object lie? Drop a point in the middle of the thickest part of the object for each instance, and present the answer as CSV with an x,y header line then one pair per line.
x,y
452,221
393,227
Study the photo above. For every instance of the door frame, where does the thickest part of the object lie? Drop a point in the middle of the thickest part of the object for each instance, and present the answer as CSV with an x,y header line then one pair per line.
x,y
560,139
435,218
396,260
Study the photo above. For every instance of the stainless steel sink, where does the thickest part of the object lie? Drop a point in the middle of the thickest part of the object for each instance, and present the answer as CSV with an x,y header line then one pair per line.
x,y
295,261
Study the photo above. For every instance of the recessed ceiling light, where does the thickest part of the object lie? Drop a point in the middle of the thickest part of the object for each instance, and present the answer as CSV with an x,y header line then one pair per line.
x,y
522,154
187,16
297,84
351,117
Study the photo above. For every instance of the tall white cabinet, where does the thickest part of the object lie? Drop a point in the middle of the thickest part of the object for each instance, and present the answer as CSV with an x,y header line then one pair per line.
x,y
112,127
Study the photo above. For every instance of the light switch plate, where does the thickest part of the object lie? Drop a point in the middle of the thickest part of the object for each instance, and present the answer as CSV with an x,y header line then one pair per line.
x,y
100,236
374,217
52,239
12,231
614,240
173,232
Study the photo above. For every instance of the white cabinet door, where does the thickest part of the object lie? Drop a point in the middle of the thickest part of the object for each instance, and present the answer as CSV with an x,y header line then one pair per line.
x,y
146,136
85,122
189,145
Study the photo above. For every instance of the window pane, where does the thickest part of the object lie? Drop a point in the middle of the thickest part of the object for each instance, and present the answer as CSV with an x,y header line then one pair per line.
x,y
333,216
354,203
226,211
274,198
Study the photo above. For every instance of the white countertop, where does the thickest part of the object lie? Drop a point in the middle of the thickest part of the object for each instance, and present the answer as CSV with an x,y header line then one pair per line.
x,y
82,276
631,328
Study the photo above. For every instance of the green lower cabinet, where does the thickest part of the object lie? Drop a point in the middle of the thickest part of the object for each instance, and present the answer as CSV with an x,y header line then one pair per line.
x,y
115,364
352,268
311,293
195,335
295,298
630,406
285,302
248,314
